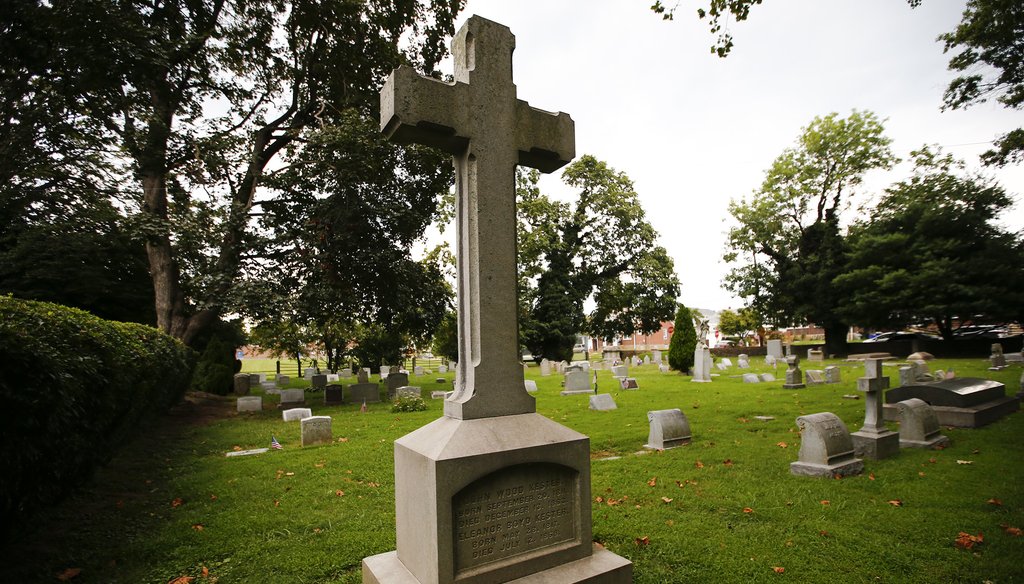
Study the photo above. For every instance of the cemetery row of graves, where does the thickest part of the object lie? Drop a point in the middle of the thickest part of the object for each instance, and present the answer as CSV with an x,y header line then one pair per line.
x,y
691,481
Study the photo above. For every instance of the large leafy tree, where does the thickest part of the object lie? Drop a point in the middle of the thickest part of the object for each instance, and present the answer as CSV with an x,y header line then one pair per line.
x,y
598,247
990,41
202,96
788,236
932,253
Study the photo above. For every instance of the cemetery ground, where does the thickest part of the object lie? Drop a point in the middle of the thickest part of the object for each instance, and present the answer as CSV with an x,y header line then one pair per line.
x,y
724,508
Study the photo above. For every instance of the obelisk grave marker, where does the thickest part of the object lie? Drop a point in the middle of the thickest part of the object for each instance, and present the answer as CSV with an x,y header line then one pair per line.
x,y
492,491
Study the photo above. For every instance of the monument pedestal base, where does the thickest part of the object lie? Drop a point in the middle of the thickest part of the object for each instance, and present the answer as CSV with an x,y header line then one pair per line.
x,y
966,417
492,500
793,386
937,442
849,468
876,446
601,567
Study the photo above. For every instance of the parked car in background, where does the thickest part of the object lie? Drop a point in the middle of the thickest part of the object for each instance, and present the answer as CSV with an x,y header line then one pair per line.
x,y
982,331
901,336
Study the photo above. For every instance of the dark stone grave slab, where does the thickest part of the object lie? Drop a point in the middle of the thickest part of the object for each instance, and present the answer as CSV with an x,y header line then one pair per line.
x,y
963,402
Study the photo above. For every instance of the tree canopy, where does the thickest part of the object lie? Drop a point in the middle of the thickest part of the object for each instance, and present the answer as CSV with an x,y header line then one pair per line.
x,y
598,246
787,235
931,252
683,342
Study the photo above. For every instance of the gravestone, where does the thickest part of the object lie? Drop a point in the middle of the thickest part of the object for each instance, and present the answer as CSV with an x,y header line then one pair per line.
x,y
254,379
767,377
345,373
1020,392
545,368
794,378
770,360
296,414
920,356
668,429
620,371
576,381
743,361
317,382
282,380
906,373
408,391
701,364
920,372
825,448
490,447
363,393
242,383
385,372
647,359
334,395
394,381
919,428
333,378
815,377
249,404
363,376
602,402
629,384
833,375
721,366
751,378
815,355
582,365
874,440
417,370
531,385
316,430
438,394
664,368
964,402
726,362
442,369
291,398
308,372
656,357
775,349
997,359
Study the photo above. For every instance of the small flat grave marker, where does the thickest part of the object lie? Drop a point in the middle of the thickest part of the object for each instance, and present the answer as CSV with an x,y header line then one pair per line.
x,y
766,377
751,378
246,452
629,384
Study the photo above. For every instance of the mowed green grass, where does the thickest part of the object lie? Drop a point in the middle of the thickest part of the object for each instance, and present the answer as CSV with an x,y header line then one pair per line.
x,y
722,509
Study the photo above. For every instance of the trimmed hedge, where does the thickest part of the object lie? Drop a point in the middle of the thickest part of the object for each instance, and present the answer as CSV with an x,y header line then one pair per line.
x,y
73,388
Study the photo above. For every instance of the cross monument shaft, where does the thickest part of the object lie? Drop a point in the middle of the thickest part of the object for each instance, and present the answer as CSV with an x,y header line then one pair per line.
x,y
488,131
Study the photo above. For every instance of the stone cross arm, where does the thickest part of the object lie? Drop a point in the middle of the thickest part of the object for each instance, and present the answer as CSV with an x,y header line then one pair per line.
x,y
421,110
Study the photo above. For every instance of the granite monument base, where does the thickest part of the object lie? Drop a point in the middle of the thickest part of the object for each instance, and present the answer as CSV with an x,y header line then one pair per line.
x,y
965,417
938,442
875,446
576,391
498,499
848,468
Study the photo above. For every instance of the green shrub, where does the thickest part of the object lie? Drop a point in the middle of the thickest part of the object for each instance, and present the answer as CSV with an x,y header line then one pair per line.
x,y
408,403
74,388
215,370
684,341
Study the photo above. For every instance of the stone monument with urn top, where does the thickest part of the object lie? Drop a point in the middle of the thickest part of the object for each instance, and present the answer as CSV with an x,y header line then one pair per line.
x,y
492,491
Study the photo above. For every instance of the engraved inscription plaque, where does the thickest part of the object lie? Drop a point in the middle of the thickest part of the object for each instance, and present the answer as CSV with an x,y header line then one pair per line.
x,y
522,509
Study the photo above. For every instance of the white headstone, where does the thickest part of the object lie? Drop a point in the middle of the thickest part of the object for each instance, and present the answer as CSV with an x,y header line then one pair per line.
x,y
316,430
531,385
751,378
249,404
296,414
775,349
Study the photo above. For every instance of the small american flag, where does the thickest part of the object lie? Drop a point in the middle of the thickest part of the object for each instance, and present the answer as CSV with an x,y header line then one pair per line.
x,y
275,444
362,408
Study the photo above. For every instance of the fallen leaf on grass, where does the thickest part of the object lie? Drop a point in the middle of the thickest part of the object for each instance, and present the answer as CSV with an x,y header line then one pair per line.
x,y
778,569
920,474
994,501
727,462
182,580
698,464
666,499
236,448
743,420
319,465
1014,531
213,497
206,572
748,510
967,541
652,482
645,540
895,503
782,445
277,503
69,574
670,523
599,499
965,462
613,502
289,474
823,533
177,502
198,526
373,485
975,451
342,439
932,460
871,476
825,502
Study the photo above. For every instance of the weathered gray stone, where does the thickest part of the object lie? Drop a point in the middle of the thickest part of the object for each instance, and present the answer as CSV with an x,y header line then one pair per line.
x,y
751,378
721,366
249,404
726,362
308,372
241,383
490,441
602,402
874,440
668,429
333,378
531,385
317,381
920,356
919,427
438,394
764,418
545,368
334,395
664,368
825,448
576,381
701,364
408,391
254,379
629,384
997,358
833,374
794,377
743,361
766,377
363,375
906,373
815,377
282,380
345,373
363,393
234,453
442,369
394,381
620,371
656,357
775,349
316,430
963,402
440,380
291,398
296,414
815,355
770,360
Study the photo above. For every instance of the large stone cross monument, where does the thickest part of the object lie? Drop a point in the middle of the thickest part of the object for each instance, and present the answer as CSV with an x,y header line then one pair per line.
x,y
492,491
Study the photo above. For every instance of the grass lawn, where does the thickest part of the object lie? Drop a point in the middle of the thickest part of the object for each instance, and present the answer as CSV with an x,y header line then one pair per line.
x,y
722,509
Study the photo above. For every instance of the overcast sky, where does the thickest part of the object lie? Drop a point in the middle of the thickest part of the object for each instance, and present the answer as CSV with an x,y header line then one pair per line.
x,y
694,131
